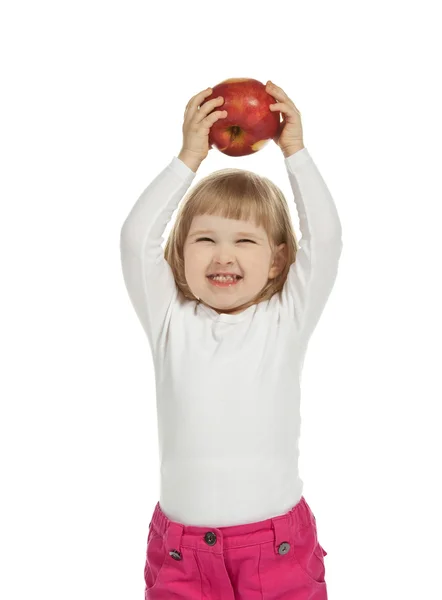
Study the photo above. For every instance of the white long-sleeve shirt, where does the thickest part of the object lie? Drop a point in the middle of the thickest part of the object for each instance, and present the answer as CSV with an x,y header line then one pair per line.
x,y
228,386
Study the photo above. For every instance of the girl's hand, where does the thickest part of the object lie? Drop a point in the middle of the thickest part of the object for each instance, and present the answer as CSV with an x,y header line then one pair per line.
x,y
197,124
290,135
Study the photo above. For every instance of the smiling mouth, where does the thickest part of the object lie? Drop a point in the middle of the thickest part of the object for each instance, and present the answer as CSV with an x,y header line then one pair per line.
x,y
224,282
233,276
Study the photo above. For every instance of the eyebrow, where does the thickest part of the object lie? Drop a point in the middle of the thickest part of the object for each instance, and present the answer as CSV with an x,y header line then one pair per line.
x,y
247,234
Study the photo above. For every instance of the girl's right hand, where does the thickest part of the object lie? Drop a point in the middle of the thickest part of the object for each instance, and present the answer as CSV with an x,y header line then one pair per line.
x,y
197,124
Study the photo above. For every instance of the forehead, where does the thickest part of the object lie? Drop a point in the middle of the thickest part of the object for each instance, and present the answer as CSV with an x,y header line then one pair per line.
x,y
222,224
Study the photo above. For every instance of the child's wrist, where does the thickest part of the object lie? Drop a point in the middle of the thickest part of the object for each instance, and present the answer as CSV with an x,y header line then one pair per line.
x,y
191,160
292,149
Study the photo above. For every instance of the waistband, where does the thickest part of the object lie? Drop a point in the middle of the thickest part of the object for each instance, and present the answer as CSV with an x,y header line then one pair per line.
x,y
279,529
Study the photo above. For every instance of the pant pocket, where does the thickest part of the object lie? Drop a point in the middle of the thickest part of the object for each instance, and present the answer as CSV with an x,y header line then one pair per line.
x,y
155,558
320,552
309,554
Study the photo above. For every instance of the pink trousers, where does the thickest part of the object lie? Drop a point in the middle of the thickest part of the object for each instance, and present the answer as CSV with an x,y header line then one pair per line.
x,y
276,559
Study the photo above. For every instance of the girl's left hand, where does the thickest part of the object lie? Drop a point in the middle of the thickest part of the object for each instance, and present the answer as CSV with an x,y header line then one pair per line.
x,y
290,134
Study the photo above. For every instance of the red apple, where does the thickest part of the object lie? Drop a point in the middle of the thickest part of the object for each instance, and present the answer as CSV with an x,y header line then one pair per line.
x,y
249,124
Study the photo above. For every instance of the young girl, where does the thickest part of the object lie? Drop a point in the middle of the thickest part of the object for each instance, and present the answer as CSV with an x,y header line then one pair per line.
x,y
231,522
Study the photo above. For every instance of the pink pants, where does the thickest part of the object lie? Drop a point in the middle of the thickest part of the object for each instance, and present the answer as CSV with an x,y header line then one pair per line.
x,y
276,559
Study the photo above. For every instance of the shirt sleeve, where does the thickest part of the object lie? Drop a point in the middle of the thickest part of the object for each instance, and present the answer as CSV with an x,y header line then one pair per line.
x,y
148,276
311,277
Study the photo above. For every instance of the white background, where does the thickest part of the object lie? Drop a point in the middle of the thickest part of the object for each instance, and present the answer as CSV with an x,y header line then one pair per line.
x,y
92,103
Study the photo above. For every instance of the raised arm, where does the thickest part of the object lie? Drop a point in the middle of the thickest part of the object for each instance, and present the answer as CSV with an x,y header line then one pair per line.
x,y
312,275
148,277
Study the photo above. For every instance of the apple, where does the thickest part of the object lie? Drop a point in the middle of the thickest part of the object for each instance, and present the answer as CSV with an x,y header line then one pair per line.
x,y
249,124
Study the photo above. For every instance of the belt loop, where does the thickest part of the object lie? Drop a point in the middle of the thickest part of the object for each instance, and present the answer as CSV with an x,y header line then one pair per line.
x,y
172,540
281,527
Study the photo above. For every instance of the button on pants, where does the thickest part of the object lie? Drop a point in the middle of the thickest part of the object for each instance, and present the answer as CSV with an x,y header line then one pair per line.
x,y
276,559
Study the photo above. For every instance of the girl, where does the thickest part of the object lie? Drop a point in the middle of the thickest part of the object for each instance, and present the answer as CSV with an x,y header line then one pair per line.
x,y
228,310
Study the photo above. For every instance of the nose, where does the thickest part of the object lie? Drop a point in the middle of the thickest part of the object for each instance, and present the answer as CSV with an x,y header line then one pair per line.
x,y
224,256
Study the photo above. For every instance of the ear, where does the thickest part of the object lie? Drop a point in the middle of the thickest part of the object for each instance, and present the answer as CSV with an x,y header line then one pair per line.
x,y
279,261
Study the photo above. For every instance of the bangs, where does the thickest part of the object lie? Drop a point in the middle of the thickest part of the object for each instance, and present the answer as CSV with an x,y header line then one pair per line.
x,y
234,197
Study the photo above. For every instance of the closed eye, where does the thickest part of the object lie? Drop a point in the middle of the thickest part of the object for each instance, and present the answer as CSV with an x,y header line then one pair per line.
x,y
206,238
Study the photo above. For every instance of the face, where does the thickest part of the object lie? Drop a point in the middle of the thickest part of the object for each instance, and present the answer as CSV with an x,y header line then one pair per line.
x,y
229,246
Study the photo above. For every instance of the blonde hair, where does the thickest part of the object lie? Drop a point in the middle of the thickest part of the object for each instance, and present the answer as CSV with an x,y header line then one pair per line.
x,y
234,194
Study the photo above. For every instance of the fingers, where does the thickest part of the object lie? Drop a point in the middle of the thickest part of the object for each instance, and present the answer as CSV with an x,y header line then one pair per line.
x,y
198,99
284,107
273,89
279,94
281,106
197,110
208,108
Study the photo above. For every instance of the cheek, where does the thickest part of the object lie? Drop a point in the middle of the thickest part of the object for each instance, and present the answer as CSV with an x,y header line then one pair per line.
x,y
194,261
257,262
197,254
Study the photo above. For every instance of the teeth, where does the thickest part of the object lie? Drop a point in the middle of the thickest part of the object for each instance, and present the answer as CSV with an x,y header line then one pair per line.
x,y
223,278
